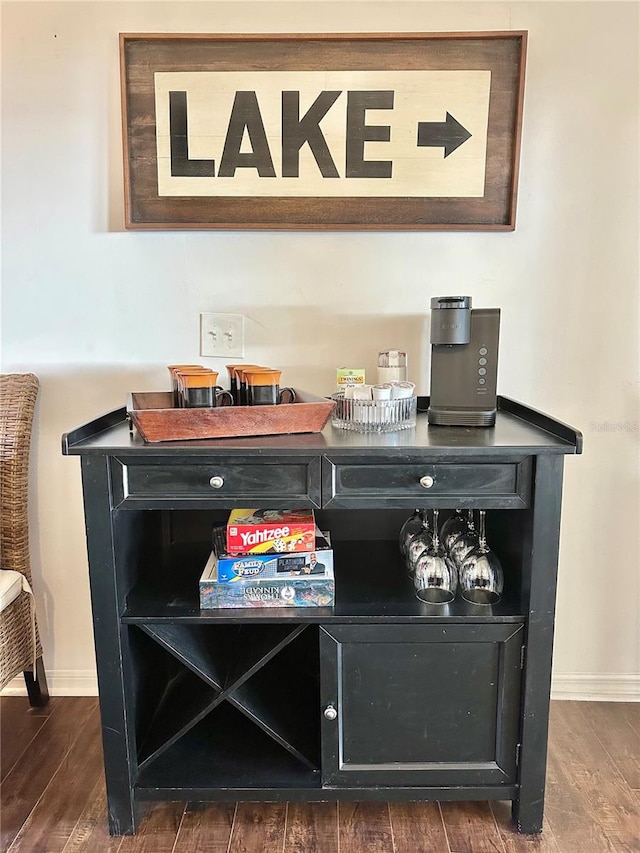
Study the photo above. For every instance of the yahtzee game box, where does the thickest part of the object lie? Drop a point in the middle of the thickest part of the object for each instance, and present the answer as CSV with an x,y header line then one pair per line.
x,y
264,531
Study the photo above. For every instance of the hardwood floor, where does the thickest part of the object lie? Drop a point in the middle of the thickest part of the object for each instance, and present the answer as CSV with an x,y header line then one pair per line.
x,y
53,798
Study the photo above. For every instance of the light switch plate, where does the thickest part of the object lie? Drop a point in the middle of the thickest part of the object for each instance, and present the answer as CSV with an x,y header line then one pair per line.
x,y
222,335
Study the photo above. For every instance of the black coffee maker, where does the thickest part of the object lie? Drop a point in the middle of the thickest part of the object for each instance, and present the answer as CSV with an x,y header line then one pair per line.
x,y
464,362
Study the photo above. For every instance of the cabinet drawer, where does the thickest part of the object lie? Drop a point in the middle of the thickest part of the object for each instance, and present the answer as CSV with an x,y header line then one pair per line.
x,y
350,483
229,481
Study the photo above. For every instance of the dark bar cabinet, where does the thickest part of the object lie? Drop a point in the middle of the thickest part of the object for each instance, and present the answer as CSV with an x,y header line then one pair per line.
x,y
379,697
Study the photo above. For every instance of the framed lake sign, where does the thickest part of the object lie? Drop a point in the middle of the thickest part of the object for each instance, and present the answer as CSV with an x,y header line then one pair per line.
x,y
406,131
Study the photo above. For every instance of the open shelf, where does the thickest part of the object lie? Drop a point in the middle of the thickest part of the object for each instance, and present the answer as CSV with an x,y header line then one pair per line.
x,y
226,750
283,698
222,655
186,700
371,582
192,646
256,645
268,672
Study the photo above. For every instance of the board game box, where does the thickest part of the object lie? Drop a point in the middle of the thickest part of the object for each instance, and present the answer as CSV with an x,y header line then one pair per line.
x,y
275,580
264,531
234,567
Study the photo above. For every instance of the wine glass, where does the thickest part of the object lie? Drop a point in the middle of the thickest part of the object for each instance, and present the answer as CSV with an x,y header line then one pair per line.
x,y
435,577
418,543
453,527
481,575
409,529
465,542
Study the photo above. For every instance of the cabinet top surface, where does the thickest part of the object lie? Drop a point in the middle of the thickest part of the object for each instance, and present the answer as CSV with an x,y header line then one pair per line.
x,y
518,429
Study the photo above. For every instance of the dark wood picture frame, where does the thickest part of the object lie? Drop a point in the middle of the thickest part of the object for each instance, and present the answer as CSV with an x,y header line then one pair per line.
x,y
501,53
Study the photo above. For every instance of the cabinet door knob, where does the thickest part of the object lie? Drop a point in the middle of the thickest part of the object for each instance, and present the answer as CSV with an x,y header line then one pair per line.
x,y
216,482
330,712
427,481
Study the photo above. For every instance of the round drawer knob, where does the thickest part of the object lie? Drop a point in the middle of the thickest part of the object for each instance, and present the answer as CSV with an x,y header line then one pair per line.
x,y
427,481
216,482
330,712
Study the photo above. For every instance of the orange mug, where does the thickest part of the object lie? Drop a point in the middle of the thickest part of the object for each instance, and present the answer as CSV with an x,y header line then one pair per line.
x,y
235,371
195,370
199,390
263,388
241,371
173,373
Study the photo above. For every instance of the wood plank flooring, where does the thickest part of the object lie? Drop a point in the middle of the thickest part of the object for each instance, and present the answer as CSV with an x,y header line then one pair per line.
x,y
53,798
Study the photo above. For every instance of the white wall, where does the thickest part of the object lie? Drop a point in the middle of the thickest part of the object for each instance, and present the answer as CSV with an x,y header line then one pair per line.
x,y
97,312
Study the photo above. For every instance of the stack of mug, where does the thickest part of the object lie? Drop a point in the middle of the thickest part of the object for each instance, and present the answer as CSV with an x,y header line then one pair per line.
x,y
195,386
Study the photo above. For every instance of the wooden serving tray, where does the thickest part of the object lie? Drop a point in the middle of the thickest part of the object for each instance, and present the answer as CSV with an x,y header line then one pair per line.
x,y
156,420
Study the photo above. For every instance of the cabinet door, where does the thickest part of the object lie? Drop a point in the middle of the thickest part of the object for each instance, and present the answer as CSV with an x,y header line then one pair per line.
x,y
420,704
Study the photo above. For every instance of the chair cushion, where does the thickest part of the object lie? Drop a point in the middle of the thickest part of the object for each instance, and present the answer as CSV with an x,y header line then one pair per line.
x,y
10,587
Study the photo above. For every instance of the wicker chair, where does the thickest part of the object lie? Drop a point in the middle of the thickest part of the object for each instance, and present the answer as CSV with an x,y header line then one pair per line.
x,y
20,649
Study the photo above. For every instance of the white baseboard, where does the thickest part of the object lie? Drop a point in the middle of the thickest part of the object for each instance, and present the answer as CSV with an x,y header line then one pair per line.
x,y
589,687
61,682
592,687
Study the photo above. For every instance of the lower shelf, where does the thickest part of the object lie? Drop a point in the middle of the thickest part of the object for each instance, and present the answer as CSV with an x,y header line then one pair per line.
x,y
225,751
267,673
313,792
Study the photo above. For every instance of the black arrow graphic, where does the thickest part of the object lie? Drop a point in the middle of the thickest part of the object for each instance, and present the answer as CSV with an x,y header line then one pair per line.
x,y
448,134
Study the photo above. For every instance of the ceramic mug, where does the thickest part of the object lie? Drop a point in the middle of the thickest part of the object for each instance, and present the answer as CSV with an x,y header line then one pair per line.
x,y
263,388
174,369
238,383
199,390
